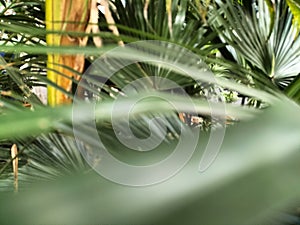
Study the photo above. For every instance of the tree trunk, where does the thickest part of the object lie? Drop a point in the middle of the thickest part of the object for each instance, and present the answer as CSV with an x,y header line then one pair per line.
x,y
65,16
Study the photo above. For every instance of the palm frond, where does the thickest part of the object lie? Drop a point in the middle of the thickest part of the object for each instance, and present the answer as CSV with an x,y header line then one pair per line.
x,y
271,49
42,158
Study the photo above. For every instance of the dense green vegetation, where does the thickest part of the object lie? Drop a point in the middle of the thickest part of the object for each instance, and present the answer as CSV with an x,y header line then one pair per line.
x,y
249,101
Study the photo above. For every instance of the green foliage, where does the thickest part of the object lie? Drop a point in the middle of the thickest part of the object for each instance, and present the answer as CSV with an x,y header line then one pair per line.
x,y
253,51
247,181
268,47
295,9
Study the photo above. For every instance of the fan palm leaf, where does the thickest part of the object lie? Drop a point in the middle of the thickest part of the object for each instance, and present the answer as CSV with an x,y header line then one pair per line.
x,y
270,46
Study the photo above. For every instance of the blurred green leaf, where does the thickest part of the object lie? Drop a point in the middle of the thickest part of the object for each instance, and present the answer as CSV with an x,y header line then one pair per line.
x,y
246,184
26,123
253,177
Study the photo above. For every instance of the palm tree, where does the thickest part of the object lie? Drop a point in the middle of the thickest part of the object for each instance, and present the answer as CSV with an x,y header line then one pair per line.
x,y
252,50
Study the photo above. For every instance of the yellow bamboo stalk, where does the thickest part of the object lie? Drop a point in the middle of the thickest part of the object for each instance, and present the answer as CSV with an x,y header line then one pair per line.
x,y
67,16
53,15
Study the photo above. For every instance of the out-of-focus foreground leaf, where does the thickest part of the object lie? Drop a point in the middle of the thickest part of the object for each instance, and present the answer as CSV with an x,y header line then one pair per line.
x,y
253,176
30,123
